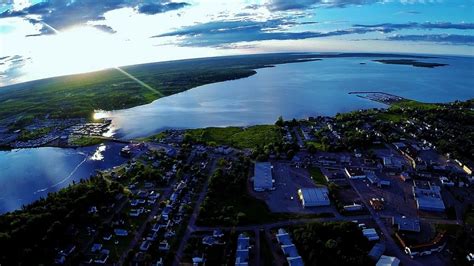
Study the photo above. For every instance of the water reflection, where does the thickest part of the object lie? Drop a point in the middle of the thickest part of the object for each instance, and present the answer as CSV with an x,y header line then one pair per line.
x,y
98,156
28,174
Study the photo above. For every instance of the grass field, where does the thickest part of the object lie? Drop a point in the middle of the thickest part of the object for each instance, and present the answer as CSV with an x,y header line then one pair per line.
x,y
86,141
79,95
414,105
242,138
317,176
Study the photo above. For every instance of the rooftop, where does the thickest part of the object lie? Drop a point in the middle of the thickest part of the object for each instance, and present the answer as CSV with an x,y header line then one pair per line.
x,y
407,224
263,179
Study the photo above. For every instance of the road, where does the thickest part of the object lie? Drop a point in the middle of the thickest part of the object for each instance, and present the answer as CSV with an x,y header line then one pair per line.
x,y
139,234
192,221
389,242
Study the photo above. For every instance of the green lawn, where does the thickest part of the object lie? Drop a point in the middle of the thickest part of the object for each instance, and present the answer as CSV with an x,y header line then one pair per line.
x,y
85,141
317,145
317,176
415,105
250,137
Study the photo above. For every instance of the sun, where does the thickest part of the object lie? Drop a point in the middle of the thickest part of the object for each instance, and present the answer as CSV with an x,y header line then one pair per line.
x,y
76,50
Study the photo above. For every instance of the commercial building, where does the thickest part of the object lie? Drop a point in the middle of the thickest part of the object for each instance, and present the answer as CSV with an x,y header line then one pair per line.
x,y
263,178
354,173
406,224
428,197
313,197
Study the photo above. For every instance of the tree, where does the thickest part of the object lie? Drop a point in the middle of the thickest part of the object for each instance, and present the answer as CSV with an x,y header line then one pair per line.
x,y
280,122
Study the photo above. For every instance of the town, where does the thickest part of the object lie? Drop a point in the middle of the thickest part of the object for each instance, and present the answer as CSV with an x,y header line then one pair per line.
x,y
361,191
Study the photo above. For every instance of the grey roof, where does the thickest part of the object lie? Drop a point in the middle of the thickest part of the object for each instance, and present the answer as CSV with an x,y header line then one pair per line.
x,y
377,251
284,239
407,224
314,195
290,250
295,261
428,199
263,176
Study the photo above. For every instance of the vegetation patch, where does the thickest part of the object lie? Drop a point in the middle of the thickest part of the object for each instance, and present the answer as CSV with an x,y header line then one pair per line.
x,y
85,141
317,176
251,137
337,243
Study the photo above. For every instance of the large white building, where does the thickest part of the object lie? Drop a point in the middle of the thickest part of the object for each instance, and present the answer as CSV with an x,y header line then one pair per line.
x,y
263,178
312,197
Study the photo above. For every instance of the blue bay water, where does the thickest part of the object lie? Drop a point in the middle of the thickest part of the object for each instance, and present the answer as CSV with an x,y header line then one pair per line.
x,y
28,174
298,90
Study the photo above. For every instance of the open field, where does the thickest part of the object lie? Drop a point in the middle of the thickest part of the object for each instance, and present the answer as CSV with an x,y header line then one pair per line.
x,y
251,137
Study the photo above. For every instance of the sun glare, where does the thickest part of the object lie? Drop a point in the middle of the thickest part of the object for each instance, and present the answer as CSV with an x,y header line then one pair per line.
x,y
77,50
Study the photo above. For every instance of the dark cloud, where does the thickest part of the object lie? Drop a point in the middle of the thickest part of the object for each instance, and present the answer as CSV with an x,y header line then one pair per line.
x,y
408,12
415,25
105,28
154,8
223,33
61,14
285,5
437,38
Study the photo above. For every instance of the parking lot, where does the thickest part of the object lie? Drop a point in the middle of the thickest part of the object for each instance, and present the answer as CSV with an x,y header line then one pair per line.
x,y
285,196
397,197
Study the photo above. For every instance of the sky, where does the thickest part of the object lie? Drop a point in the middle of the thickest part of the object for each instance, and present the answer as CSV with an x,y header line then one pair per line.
x,y
46,38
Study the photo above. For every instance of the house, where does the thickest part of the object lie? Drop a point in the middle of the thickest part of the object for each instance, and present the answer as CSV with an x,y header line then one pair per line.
x,y
388,261
96,247
353,207
217,233
209,241
263,179
354,173
136,212
145,245
242,252
391,163
313,197
406,224
288,248
357,153
166,212
102,257
377,251
164,246
370,234
405,176
446,182
121,232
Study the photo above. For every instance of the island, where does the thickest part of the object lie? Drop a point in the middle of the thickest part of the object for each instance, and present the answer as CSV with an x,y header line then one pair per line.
x,y
409,62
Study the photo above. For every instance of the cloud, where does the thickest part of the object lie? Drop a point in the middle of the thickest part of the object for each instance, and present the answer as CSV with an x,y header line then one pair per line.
x,y
11,68
436,38
285,5
223,33
415,25
61,14
104,28
408,12
154,8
